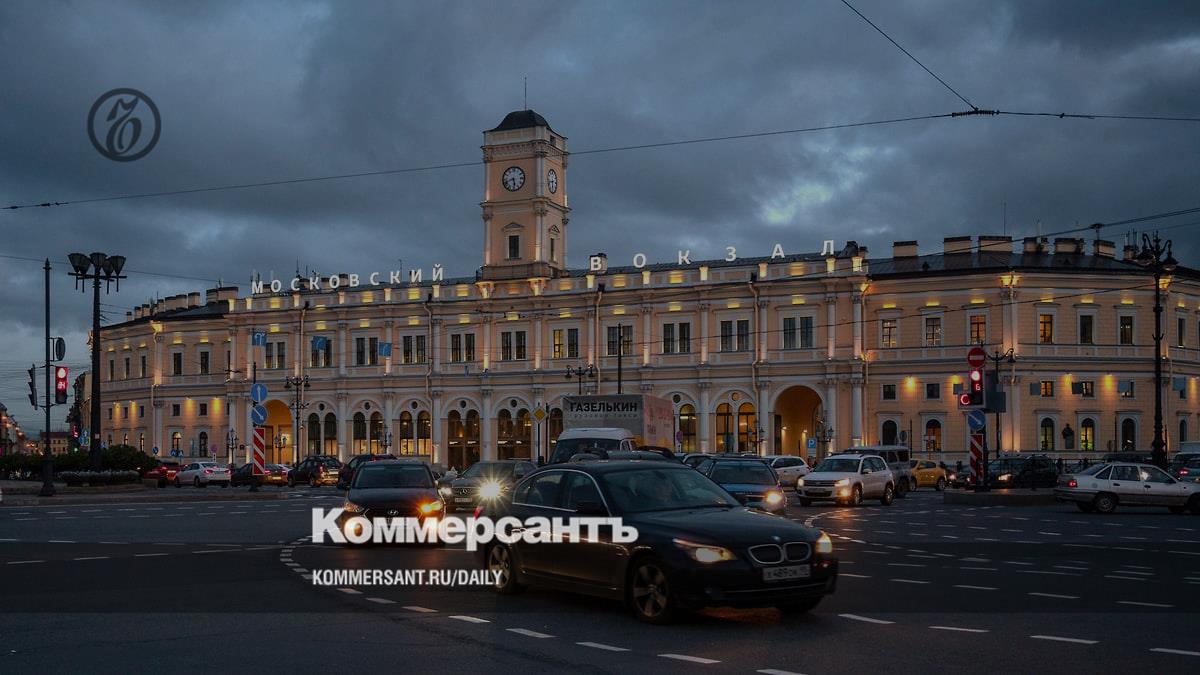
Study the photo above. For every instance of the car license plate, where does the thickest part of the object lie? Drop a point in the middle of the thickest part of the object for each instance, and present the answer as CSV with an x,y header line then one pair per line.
x,y
819,493
461,500
786,573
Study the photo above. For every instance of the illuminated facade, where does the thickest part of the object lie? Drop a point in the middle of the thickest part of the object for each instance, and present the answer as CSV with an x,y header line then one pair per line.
x,y
758,353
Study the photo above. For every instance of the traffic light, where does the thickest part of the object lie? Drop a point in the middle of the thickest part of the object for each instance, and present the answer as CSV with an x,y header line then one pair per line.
x,y
33,386
972,396
60,385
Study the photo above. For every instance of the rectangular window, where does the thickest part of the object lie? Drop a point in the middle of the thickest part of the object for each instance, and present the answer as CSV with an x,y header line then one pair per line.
x,y
726,336
668,338
560,346
276,355
1125,330
625,340
933,331
128,369
420,352
203,412
506,346
177,361
889,392
204,363
174,410
806,332
407,353
743,335
111,371
1047,388
1087,329
685,337
456,353
933,390
553,253
321,357
1046,329
366,351
125,413
978,329
1126,389
1087,389
887,333
521,353
789,333
1180,331
514,246
141,411
143,365
469,346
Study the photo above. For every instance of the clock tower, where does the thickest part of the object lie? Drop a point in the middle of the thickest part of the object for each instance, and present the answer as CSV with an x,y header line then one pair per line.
x,y
524,199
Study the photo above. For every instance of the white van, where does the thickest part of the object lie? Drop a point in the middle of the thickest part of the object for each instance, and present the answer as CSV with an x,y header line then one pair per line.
x,y
576,441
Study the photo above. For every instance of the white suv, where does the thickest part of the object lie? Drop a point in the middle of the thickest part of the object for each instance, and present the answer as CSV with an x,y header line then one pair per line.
x,y
848,478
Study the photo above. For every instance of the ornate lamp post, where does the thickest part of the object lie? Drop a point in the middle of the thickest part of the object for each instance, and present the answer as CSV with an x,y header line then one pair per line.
x,y
96,267
581,373
824,436
297,385
1156,257
231,440
385,440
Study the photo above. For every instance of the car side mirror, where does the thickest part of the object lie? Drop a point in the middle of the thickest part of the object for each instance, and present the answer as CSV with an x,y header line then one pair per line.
x,y
591,509
866,471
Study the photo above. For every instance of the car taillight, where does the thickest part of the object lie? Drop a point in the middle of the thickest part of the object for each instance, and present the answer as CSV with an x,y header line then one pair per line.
x,y
1072,483
1183,472
208,471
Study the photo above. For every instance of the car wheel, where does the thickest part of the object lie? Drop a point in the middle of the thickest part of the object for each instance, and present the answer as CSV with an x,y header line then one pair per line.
x,y
1177,509
1105,503
941,485
799,607
196,481
888,495
312,481
1085,507
650,593
503,569
856,496
805,502
913,485
902,489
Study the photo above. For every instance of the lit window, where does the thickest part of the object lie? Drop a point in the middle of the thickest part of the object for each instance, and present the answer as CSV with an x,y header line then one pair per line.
x,y
1047,388
1046,329
1125,332
887,334
1087,329
978,329
933,331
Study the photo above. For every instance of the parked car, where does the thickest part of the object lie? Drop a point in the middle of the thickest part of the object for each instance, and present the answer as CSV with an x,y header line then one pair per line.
x,y
696,545
927,473
346,471
164,473
276,474
390,488
1188,470
897,459
202,474
1034,471
750,480
788,468
848,478
693,458
1103,488
1183,458
316,471
483,481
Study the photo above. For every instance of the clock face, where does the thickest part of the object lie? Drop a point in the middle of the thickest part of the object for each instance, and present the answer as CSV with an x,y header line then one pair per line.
x,y
552,181
513,178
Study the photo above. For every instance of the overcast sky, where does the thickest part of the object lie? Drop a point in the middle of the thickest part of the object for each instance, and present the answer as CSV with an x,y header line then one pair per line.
x,y
262,91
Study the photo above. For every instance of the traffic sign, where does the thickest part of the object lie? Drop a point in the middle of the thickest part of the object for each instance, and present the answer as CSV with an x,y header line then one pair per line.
x,y
85,439
258,393
259,454
258,415
59,348
977,457
174,453
976,357
539,414
976,420
811,444
154,451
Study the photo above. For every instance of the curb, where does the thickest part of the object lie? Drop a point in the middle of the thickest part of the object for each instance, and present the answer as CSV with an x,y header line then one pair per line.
x,y
1000,498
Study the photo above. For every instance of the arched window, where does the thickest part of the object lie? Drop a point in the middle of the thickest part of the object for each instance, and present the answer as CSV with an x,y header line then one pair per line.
x,y
933,436
888,434
1046,435
504,434
406,439
1183,436
747,428
522,435
1087,434
725,437
202,441
1128,434
176,439
424,433
314,434
142,442
687,428
125,440
472,426
329,438
554,427
359,439
376,432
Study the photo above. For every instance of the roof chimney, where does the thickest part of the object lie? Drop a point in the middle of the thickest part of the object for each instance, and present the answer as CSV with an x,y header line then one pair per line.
x,y
193,299
1068,245
904,249
1034,245
1131,252
991,243
1104,248
955,245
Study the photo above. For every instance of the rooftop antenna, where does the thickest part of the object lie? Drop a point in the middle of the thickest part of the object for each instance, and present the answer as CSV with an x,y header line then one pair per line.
x,y
526,94
1005,225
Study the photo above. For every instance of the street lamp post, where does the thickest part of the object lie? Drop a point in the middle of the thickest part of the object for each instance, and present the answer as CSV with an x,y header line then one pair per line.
x,y
1152,258
279,442
96,267
996,357
385,439
231,442
581,373
297,385
824,437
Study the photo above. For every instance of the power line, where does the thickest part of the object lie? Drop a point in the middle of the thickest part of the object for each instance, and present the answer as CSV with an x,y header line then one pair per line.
x,y
909,55
125,271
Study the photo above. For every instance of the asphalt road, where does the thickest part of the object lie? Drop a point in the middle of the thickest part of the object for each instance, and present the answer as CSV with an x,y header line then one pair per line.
x,y
925,587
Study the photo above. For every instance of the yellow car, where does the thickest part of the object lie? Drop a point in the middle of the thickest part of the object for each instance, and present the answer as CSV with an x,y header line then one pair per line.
x,y
928,474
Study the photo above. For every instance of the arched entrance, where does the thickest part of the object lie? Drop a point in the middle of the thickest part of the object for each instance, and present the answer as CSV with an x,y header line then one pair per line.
x,y
799,416
278,428
462,439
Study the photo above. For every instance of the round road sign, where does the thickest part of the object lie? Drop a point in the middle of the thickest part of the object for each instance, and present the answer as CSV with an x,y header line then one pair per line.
x,y
258,415
258,393
976,357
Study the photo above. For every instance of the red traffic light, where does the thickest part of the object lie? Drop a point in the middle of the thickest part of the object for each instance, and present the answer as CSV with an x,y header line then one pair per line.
x,y
964,399
60,385
60,373
976,375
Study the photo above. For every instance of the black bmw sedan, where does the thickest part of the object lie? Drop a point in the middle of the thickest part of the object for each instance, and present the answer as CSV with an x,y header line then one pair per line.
x,y
696,545
392,488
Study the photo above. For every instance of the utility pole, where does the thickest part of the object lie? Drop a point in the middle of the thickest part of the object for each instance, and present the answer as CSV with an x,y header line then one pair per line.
x,y
47,459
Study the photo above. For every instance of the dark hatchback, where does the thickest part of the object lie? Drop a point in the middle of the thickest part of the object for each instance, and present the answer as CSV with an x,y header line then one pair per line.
x,y
751,481
315,471
696,545
345,474
484,481
400,488
276,474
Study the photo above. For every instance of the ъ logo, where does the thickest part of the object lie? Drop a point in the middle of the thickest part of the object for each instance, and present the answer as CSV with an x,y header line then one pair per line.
x,y
124,125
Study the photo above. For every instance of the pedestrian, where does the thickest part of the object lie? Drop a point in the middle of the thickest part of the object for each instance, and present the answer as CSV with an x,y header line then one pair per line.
x,y
1060,464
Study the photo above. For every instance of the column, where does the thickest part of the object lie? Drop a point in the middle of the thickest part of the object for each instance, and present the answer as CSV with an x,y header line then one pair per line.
x,y
298,359
487,427
704,344
389,335
435,346
830,412
830,324
856,410
858,325
344,425
156,435
234,352
646,335
760,341
591,334
435,427
389,410
766,439
703,431
343,336
537,343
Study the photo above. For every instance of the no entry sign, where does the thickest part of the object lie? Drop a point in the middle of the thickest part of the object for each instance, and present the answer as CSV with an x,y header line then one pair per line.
x,y
976,357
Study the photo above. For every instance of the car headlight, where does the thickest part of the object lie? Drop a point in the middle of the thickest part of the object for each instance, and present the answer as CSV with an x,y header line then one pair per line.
x,y
774,498
490,489
445,491
1004,477
799,482
430,507
351,507
824,544
843,482
704,553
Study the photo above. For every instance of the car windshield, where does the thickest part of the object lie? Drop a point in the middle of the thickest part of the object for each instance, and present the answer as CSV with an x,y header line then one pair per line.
x,y
838,465
496,470
568,447
642,490
755,473
394,476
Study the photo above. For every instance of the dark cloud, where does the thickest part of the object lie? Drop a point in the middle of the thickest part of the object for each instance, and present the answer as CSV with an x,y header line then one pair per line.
x,y
263,91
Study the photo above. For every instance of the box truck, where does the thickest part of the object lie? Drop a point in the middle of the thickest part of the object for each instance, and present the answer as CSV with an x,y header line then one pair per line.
x,y
614,422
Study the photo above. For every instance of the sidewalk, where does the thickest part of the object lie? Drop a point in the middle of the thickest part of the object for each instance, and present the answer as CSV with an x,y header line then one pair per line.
x,y
25,493
1010,497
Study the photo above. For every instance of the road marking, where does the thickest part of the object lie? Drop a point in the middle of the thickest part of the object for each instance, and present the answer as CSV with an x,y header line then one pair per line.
x,y
10,540
867,619
977,560
1144,604
1165,650
1056,596
381,601
214,550
773,671
608,648
1135,573
1052,534
1059,574
1008,529
878,552
1185,552
418,608
1116,576
1063,639
919,555
906,565
149,555
690,659
24,562
1070,567
468,619
961,630
973,588
909,581
854,576
980,569
92,557
61,541
529,633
